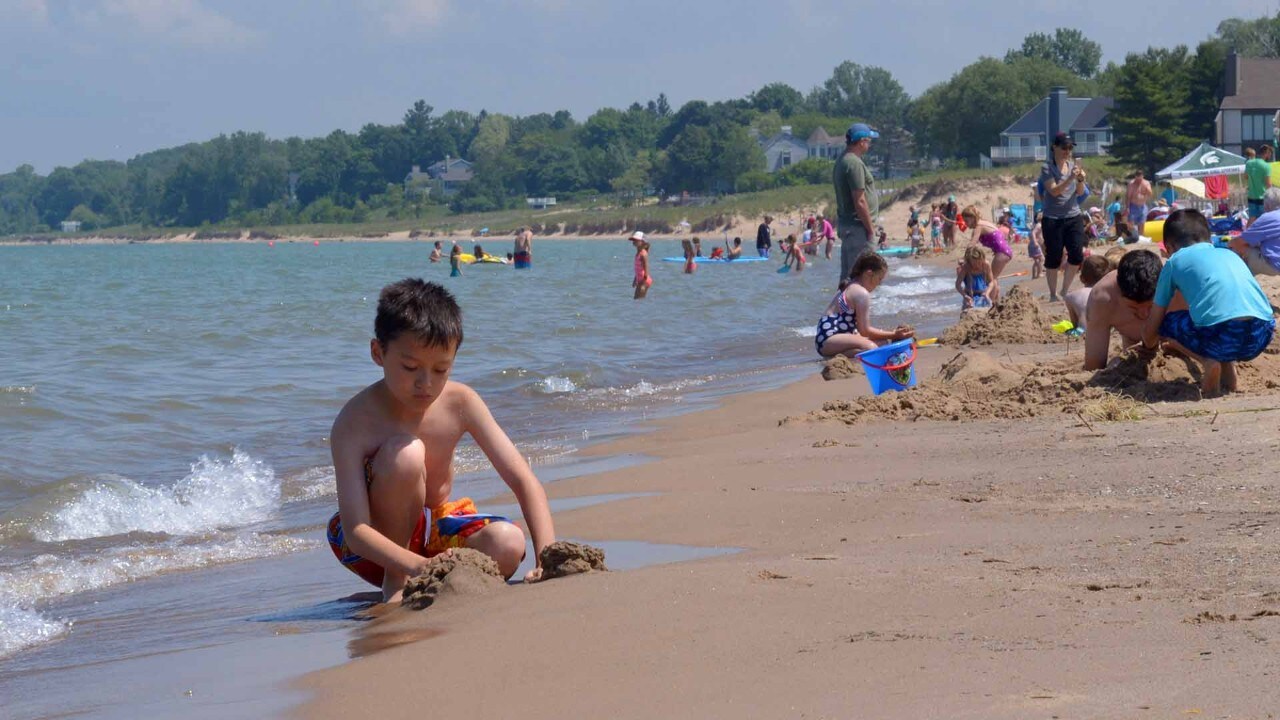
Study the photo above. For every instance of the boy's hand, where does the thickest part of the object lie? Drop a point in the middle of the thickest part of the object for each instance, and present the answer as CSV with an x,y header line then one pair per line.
x,y
533,575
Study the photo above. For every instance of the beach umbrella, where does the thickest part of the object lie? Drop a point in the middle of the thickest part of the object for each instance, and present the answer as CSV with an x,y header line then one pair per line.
x,y
1204,161
1190,185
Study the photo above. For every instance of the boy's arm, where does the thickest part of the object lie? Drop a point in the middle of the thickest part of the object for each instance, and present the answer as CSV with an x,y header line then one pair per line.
x,y
1151,332
513,470
1097,332
353,505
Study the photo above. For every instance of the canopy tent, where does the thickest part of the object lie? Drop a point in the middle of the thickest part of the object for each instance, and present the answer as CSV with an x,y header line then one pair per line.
x,y
1204,161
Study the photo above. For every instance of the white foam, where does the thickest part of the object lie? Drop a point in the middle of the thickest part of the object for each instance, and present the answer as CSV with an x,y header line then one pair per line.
x,y
310,484
555,384
917,287
910,270
216,494
49,576
22,628
806,331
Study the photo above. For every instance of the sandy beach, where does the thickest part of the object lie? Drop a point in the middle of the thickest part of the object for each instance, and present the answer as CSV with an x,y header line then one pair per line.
x,y
1034,564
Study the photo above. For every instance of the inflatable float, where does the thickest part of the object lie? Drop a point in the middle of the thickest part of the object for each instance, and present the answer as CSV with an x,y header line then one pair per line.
x,y
718,261
470,259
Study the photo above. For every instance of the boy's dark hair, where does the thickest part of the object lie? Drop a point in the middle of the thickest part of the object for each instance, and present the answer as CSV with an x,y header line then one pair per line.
x,y
1137,275
1184,228
426,310
867,261
1093,269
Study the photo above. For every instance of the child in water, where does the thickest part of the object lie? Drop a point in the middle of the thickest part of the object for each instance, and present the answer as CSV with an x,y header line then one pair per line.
x,y
642,280
791,247
974,279
735,250
845,327
882,238
985,233
455,261
689,264
437,252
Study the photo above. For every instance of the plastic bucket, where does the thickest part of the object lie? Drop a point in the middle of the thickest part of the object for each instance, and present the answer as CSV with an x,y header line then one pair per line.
x,y
892,367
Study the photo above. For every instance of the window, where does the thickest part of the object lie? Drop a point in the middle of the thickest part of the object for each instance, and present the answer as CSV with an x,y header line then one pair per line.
x,y
785,158
1255,127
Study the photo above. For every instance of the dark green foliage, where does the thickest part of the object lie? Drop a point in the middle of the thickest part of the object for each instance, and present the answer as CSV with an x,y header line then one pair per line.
x,y
1152,104
1067,48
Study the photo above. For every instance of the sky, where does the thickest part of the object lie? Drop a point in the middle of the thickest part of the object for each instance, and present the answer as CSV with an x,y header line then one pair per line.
x,y
110,79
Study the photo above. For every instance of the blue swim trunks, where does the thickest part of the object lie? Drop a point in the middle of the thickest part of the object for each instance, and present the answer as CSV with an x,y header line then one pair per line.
x,y
1230,341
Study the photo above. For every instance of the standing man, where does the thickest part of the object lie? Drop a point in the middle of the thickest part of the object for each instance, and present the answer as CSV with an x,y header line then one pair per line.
x,y
1258,173
763,237
1137,195
856,199
523,255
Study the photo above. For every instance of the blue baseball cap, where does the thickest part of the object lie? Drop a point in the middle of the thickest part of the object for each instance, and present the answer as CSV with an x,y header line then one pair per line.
x,y
857,131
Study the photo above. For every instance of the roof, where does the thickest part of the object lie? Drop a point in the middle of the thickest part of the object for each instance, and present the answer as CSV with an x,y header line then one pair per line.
x,y
439,167
1036,119
1094,115
819,137
1204,161
784,138
1257,85
456,174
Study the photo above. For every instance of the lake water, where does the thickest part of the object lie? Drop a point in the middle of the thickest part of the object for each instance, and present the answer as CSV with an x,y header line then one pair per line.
x,y
165,409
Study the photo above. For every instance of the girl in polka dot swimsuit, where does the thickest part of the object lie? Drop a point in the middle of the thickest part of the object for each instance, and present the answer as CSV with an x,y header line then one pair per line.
x,y
845,327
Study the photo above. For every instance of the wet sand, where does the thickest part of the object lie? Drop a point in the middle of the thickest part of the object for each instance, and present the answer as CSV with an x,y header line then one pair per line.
x,y
1041,566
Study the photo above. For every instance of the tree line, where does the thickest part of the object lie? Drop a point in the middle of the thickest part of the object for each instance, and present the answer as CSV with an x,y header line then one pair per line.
x,y
1165,101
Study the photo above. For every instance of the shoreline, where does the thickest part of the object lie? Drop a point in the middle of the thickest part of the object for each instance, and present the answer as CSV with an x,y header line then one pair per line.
x,y
1082,574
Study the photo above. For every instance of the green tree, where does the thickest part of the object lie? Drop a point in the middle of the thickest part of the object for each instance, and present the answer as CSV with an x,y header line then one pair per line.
x,y
88,219
1151,108
491,138
1067,48
633,182
1252,38
777,97
1204,76
870,93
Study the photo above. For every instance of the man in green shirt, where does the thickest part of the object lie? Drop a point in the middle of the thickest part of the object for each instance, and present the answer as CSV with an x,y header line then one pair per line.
x,y
1258,172
856,199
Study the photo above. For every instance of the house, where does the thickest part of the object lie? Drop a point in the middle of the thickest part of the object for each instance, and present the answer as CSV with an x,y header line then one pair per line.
x,y
1250,103
70,226
445,177
1086,120
822,145
783,150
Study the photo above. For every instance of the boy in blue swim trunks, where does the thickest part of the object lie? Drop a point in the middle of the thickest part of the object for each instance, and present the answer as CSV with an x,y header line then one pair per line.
x,y
1228,318
393,447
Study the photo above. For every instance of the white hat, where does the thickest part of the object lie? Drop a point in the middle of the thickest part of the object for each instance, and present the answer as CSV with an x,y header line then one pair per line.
x,y
637,235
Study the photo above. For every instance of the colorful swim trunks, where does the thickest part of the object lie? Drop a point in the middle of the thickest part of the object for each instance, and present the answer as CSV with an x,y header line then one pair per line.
x,y
1231,341
523,261
451,524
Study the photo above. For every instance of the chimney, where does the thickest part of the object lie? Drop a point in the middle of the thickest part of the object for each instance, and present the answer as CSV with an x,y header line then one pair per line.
x,y
417,170
1231,86
786,130
1057,98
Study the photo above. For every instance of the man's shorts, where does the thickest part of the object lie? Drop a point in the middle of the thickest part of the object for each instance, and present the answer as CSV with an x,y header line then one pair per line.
x,y
523,261
454,523
1255,208
1137,217
1230,341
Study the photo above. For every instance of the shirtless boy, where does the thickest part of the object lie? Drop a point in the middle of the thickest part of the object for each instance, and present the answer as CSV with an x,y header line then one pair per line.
x,y
1137,195
393,447
523,255
1120,301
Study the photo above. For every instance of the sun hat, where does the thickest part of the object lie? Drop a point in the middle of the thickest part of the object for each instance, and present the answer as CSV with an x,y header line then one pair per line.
x,y
637,235
857,131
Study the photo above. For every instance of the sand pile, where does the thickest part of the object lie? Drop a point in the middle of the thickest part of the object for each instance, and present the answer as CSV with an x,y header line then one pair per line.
x,y
839,368
976,386
462,571
1016,319
565,557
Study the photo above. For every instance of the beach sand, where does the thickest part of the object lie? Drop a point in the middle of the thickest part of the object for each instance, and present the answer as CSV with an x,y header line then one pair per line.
x,y
1032,565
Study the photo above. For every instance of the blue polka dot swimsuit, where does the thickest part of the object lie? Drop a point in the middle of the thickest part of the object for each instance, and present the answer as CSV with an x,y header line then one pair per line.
x,y
844,321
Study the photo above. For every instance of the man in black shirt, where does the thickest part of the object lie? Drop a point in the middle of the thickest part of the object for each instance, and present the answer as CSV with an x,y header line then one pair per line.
x,y
764,236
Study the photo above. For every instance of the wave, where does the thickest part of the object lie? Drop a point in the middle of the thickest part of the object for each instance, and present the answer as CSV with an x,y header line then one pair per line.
x,y
555,384
216,494
49,576
917,287
807,331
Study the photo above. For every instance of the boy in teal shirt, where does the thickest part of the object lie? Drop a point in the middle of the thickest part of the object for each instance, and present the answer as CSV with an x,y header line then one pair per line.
x,y
1228,318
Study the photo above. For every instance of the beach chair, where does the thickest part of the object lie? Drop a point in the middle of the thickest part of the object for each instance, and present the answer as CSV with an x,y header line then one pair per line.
x,y
1019,213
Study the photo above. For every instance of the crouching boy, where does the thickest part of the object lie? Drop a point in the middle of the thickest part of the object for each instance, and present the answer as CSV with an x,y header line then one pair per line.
x,y
1228,318
393,447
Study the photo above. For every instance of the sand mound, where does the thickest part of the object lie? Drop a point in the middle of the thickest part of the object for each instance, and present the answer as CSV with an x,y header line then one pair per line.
x,y
976,386
840,368
564,557
1016,319
462,571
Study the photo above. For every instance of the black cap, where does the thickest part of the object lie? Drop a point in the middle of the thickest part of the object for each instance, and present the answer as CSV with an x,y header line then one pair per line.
x,y
1063,140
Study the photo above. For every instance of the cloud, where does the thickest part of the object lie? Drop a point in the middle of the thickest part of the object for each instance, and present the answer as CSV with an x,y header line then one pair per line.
x,y
183,22
402,17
